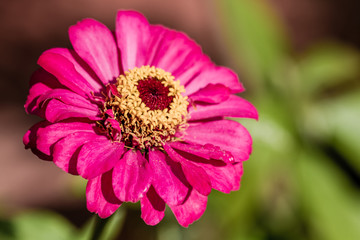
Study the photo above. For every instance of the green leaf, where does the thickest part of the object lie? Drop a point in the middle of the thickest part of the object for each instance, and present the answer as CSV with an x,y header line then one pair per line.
x,y
336,121
7,230
327,65
330,203
41,225
255,36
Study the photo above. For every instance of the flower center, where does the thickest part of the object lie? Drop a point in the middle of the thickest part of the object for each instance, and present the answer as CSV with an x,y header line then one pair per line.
x,y
148,106
154,94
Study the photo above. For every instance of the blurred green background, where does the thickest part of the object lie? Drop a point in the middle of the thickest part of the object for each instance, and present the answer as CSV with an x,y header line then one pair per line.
x,y
300,63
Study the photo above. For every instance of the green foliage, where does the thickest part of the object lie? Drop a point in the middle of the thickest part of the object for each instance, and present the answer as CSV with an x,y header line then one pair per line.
x,y
255,38
37,225
326,66
335,121
45,225
329,201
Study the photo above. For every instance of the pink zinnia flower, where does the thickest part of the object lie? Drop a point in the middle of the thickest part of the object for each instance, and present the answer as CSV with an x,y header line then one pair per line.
x,y
141,113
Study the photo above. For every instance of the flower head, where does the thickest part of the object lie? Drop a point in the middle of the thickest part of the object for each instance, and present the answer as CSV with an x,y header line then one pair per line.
x,y
140,113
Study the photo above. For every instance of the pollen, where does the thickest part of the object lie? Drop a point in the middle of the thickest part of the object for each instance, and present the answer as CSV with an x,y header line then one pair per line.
x,y
149,107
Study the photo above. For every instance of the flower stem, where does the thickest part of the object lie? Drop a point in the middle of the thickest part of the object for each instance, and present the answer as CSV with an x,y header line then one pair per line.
x,y
134,227
99,227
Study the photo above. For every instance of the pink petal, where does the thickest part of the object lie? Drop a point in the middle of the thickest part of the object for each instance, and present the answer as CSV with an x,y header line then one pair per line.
x,y
41,82
95,44
168,179
132,34
207,151
176,53
48,135
195,175
69,98
239,169
57,111
152,207
224,176
96,190
47,79
107,187
116,128
98,156
214,75
212,93
30,139
111,89
191,71
131,177
66,150
192,209
234,106
228,135
80,66
65,72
